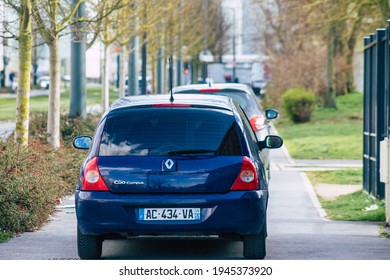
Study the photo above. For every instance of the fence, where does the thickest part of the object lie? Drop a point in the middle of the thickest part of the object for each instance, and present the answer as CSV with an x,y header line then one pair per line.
x,y
376,109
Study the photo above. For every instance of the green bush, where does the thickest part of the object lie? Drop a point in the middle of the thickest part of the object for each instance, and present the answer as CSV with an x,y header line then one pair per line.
x,y
33,177
298,104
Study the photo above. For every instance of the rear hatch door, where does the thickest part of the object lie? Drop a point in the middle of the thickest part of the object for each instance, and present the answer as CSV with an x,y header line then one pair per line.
x,y
170,150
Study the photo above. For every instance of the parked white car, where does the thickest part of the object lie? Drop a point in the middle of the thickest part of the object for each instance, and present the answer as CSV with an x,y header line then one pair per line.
x,y
44,82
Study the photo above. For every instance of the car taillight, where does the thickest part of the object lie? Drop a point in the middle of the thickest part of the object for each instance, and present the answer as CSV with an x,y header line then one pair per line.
x,y
258,122
171,105
209,90
92,180
247,177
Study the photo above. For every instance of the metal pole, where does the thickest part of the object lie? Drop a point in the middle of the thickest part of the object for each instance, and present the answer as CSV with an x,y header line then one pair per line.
x,y
234,47
78,96
144,61
387,92
179,69
118,67
160,71
206,7
132,87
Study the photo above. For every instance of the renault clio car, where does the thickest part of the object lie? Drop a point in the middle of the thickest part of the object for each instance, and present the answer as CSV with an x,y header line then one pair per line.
x,y
179,165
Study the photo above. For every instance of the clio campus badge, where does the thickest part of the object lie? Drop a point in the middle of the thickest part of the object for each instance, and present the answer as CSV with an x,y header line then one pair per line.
x,y
169,165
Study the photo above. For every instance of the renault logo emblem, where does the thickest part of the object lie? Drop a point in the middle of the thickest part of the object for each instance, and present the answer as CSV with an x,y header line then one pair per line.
x,y
169,165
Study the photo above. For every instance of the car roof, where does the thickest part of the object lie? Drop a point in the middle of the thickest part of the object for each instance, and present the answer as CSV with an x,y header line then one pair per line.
x,y
201,100
233,90
233,86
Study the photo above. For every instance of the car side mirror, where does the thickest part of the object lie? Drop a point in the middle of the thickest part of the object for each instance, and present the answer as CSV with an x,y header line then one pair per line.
x,y
82,142
270,142
271,114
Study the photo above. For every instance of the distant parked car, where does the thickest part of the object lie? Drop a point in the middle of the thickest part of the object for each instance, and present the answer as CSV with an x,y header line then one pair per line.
x,y
148,86
188,166
244,95
44,82
259,78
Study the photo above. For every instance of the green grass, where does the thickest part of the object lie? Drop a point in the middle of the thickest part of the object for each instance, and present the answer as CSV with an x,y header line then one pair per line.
x,y
331,134
342,177
352,207
348,207
40,103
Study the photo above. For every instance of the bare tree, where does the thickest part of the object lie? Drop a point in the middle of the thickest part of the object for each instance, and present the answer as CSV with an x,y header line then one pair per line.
x,y
327,28
24,37
53,18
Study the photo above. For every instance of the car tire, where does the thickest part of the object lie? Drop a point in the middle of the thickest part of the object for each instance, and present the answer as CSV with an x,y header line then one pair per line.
x,y
89,247
254,246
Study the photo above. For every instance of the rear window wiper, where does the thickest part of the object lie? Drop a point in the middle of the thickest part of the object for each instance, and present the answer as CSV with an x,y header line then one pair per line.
x,y
192,152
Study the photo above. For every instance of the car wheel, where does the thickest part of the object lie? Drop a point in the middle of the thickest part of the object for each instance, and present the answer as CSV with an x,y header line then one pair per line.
x,y
89,247
254,246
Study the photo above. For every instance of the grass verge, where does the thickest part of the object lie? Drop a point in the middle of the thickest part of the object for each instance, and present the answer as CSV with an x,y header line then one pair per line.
x,y
331,134
40,103
352,176
357,206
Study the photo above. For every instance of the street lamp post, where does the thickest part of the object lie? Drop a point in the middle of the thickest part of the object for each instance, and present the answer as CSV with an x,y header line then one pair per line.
x,y
234,47
205,7
78,93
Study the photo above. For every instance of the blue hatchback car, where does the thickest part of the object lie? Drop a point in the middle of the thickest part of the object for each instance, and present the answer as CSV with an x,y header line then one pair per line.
x,y
188,166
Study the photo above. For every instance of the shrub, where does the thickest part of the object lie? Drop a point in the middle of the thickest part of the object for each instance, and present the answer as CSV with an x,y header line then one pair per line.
x,y
33,177
298,104
30,183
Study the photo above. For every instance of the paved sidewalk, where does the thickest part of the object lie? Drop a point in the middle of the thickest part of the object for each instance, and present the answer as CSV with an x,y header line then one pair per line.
x,y
6,129
34,92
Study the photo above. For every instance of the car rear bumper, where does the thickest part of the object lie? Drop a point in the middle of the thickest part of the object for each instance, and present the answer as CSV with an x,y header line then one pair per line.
x,y
105,213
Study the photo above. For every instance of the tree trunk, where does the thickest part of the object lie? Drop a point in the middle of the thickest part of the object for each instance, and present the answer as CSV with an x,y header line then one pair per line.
x,y
53,118
23,96
351,43
330,99
106,78
350,81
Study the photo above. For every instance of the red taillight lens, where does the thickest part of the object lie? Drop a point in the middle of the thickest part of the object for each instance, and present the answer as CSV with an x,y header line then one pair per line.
x,y
171,105
92,180
247,177
209,90
258,122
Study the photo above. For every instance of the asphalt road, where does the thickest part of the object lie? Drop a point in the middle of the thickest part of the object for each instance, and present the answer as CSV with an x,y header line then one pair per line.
x,y
296,232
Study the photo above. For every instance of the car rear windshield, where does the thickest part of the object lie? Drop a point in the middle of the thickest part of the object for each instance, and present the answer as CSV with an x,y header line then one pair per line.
x,y
170,131
244,99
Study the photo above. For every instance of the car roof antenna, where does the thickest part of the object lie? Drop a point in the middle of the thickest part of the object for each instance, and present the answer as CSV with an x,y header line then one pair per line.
x,y
170,61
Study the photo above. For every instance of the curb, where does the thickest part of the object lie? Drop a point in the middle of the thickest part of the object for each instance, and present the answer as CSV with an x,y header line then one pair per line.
x,y
313,196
